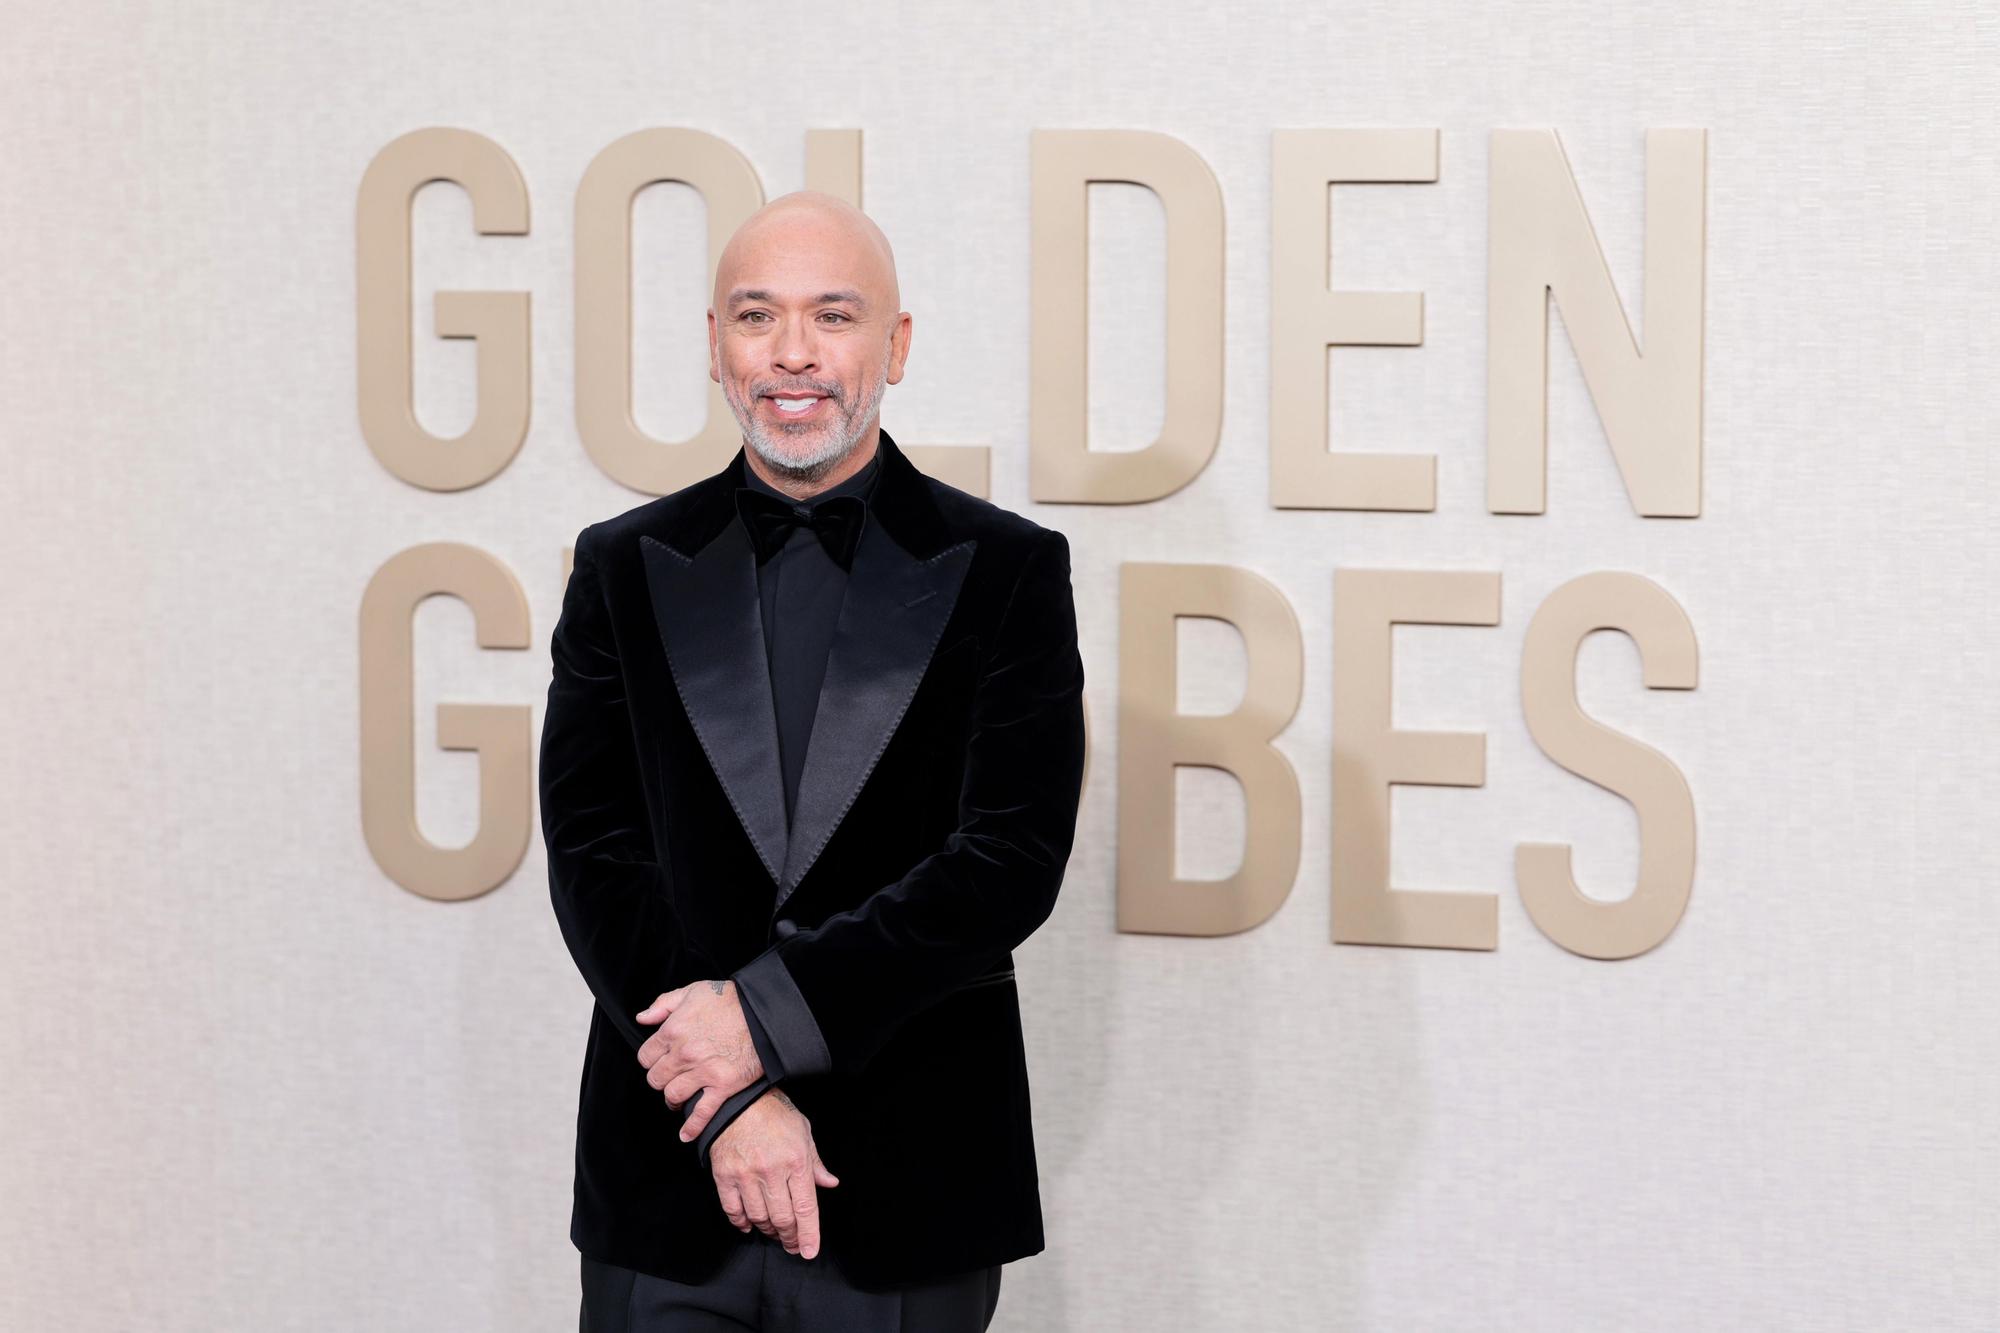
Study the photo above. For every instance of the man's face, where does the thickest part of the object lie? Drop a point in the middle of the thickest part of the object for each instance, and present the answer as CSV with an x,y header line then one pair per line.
x,y
804,338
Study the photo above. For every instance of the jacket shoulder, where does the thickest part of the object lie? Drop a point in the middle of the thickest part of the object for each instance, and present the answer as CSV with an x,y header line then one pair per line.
x,y
615,539
1010,536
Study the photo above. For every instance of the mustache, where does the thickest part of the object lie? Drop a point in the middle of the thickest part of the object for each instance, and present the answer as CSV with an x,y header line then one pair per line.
x,y
824,390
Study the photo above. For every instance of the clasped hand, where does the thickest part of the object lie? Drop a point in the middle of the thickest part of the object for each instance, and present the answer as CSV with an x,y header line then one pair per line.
x,y
703,1045
767,1169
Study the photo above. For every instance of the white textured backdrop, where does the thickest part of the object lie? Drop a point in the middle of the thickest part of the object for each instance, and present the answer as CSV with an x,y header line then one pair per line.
x,y
247,1083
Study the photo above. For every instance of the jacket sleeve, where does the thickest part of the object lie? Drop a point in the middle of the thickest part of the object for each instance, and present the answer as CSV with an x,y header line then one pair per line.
x,y
604,875
831,996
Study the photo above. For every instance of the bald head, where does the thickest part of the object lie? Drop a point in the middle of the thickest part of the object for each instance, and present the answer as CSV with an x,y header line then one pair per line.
x,y
810,232
805,334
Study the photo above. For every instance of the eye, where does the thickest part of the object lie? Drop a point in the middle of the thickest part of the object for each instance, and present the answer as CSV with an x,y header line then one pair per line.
x,y
833,314
754,315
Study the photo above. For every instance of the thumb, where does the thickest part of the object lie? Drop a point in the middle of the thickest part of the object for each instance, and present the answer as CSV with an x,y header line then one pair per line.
x,y
822,1177
661,1007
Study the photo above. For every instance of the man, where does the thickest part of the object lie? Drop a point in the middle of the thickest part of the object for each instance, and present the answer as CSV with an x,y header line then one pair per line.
x,y
809,772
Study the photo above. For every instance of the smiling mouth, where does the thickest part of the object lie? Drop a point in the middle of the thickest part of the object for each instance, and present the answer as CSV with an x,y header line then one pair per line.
x,y
793,405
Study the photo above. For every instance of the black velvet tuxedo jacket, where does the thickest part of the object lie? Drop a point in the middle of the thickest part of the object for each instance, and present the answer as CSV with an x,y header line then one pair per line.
x,y
935,816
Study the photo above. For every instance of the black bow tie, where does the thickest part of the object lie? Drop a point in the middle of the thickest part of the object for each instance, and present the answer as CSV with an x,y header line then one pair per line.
x,y
836,521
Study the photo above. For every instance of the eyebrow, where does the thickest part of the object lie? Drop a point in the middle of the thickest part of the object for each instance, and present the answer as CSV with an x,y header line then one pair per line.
x,y
845,296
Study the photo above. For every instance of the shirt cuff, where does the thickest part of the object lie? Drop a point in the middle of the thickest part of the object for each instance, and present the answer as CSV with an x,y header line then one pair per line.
x,y
768,992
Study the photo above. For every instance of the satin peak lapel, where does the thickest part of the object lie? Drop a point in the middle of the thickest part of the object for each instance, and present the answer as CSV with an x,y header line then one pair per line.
x,y
713,630
895,608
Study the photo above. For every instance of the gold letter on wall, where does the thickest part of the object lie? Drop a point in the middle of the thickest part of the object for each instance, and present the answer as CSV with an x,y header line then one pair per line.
x,y
1062,466
833,163
1649,401
731,191
833,166
498,321
1307,318
1153,737
1642,775
498,732
1369,755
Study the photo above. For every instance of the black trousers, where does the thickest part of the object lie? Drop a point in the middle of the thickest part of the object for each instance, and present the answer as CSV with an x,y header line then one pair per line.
x,y
763,1287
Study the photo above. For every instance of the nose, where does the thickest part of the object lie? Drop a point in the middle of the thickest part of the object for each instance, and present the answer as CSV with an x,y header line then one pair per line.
x,y
792,351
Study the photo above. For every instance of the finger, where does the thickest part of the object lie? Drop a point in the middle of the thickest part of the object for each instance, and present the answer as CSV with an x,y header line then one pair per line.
x,y
805,1210
683,1109
731,1199
780,1200
651,1049
661,1007
682,1088
670,1066
822,1177
756,1206
704,1111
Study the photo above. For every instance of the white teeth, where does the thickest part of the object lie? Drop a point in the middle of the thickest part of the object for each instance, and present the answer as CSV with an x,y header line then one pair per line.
x,y
794,404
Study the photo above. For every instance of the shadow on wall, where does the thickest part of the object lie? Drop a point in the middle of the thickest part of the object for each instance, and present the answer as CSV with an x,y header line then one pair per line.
x,y
1259,1230
518,1096
1364,1133
1068,987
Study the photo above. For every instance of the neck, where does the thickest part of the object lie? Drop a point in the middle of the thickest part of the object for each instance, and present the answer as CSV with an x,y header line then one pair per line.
x,y
804,489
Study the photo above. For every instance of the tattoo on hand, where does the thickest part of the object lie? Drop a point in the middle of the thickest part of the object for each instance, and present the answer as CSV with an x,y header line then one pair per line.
x,y
717,986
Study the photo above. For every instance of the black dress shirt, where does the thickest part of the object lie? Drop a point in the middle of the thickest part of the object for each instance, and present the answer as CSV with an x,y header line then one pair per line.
x,y
801,588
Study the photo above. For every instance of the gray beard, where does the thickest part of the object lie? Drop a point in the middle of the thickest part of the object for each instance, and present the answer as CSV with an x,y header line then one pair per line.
x,y
808,469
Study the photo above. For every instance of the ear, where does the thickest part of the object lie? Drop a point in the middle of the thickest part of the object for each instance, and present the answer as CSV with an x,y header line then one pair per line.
x,y
899,347
714,353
